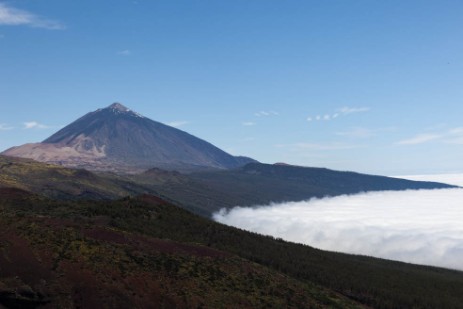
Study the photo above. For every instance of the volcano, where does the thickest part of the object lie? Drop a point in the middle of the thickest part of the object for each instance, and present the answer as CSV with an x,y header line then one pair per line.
x,y
118,139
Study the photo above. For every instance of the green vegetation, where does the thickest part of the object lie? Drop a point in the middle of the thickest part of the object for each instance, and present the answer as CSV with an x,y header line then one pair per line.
x,y
84,254
59,182
145,237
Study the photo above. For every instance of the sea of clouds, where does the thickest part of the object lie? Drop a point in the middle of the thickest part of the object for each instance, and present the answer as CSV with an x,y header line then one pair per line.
x,y
416,226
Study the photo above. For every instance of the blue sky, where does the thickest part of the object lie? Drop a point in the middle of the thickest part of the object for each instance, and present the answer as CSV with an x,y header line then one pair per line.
x,y
369,86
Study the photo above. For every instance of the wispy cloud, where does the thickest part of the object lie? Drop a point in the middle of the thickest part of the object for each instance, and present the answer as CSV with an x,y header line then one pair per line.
x,y
5,127
351,110
339,112
248,139
455,140
399,225
35,125
177,124
456,131
248,123
266,113
325,117
318,146
357,132
15,17
124,52
451,136
454,136
420,139
360,132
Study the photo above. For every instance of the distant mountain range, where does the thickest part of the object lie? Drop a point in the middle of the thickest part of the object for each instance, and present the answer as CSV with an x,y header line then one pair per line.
x,y
200,192
118,139
206,192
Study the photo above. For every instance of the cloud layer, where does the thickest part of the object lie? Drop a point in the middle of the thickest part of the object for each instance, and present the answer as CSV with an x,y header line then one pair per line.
x,y
422,227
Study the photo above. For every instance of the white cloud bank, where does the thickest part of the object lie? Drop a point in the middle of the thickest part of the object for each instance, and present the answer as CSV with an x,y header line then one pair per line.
x,y
422,227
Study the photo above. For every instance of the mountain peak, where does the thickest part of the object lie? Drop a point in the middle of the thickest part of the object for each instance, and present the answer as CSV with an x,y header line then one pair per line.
x,y
119,107
118,139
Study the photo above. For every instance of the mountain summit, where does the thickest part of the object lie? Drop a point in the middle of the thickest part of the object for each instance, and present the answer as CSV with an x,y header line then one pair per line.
x,y
118,139
118,107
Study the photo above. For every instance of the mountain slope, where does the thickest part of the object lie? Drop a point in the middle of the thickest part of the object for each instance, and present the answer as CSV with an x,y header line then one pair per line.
x,y
75,255
116,138
261,184
60,182
141,252
202,193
